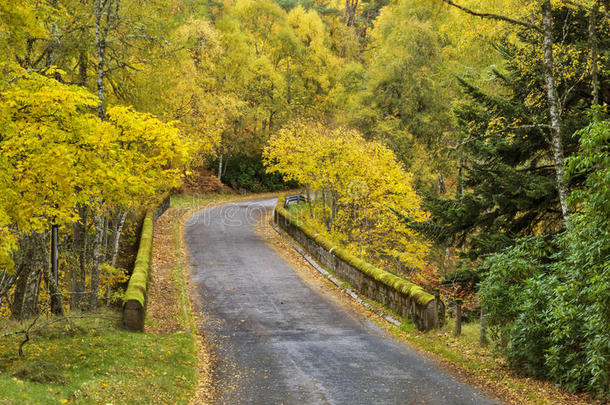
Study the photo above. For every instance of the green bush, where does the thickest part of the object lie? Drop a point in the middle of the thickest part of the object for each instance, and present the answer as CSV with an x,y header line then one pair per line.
x,y
247,173
550,309
530,333
549,298
579,357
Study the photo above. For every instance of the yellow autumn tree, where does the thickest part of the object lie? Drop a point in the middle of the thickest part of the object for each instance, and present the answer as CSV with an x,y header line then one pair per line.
x,y
356,183
56,154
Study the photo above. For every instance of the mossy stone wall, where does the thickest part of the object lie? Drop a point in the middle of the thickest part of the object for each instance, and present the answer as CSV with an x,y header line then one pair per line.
x,y
407,299
134,302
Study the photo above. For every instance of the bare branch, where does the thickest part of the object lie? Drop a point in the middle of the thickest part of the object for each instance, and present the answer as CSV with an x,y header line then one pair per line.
x,y
496,17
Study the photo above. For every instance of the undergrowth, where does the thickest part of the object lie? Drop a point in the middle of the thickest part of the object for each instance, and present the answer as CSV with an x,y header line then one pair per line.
x,y
91,360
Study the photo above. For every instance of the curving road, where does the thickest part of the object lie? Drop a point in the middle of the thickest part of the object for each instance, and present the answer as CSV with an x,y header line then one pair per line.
x,y
280,342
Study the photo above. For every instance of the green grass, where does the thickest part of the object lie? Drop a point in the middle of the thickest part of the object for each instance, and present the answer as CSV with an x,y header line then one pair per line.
x,y
198,200
93,361
464,350
186,315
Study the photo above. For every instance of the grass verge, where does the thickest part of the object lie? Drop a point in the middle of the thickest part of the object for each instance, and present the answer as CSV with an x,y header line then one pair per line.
x,y
478,365
90,360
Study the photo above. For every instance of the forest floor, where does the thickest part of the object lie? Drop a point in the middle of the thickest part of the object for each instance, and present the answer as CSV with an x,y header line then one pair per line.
x,y
462,356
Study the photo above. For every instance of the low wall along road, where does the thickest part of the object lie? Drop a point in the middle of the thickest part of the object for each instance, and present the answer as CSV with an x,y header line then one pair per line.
x,y
404,297
134,303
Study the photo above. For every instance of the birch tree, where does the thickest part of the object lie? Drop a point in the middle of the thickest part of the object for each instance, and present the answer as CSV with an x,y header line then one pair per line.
x,y
542,25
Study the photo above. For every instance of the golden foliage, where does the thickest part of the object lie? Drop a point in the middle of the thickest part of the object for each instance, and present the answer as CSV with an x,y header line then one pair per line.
x,y
357,183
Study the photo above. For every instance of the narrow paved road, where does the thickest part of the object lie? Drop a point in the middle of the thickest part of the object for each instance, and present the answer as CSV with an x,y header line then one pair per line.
x,y
280,342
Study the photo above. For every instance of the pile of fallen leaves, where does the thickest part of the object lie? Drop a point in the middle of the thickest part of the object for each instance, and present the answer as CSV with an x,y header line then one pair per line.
x,y
163,307
165,312
202,180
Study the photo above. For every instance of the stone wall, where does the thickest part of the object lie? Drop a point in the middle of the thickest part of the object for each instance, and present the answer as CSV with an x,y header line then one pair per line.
x,y
134,303
402,296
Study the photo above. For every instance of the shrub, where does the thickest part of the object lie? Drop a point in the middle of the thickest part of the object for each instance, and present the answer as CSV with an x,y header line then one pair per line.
x,y
550,299
247,173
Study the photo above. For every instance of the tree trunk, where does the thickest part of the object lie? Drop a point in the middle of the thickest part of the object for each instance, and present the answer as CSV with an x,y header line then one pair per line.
x,y
350,11
19,294
57,302
308,195
7,281
220,167
82,65
100,40
81,238
53,42
105,237
594,52
554,106
458,317
442,187
335,208
117,238
107,10
32,293
58,307
25,299
97,261
110,10
483,341
460,162
324,215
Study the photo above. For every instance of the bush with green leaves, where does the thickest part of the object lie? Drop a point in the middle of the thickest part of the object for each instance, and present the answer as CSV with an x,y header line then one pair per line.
x,y
247,173
549,299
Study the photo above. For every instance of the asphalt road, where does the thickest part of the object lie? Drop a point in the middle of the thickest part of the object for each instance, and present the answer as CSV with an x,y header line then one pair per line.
x,y
280,342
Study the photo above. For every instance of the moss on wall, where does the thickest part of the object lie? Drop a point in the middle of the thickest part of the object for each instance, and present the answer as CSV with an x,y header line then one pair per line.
x,y
399,284
136,289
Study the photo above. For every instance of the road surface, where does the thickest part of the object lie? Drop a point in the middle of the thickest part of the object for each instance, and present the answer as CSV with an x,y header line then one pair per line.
x,y
280,342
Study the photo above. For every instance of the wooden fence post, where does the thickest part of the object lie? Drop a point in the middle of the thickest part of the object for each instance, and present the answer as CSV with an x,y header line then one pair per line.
x,y
458,317
437,319
483,324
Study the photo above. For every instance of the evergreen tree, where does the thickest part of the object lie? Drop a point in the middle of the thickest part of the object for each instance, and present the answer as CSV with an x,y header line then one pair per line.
x,y
506,186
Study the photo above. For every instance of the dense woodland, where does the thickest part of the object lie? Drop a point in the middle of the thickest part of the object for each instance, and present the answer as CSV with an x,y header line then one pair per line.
x,y
463,144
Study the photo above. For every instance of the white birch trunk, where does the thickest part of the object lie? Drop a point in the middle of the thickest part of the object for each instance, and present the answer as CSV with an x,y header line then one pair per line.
x,y
554,106
117,238
100,40
220,167
594,52
97,260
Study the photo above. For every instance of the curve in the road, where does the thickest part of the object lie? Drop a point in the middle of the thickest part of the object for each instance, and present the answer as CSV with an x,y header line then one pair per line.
x,y
280,342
